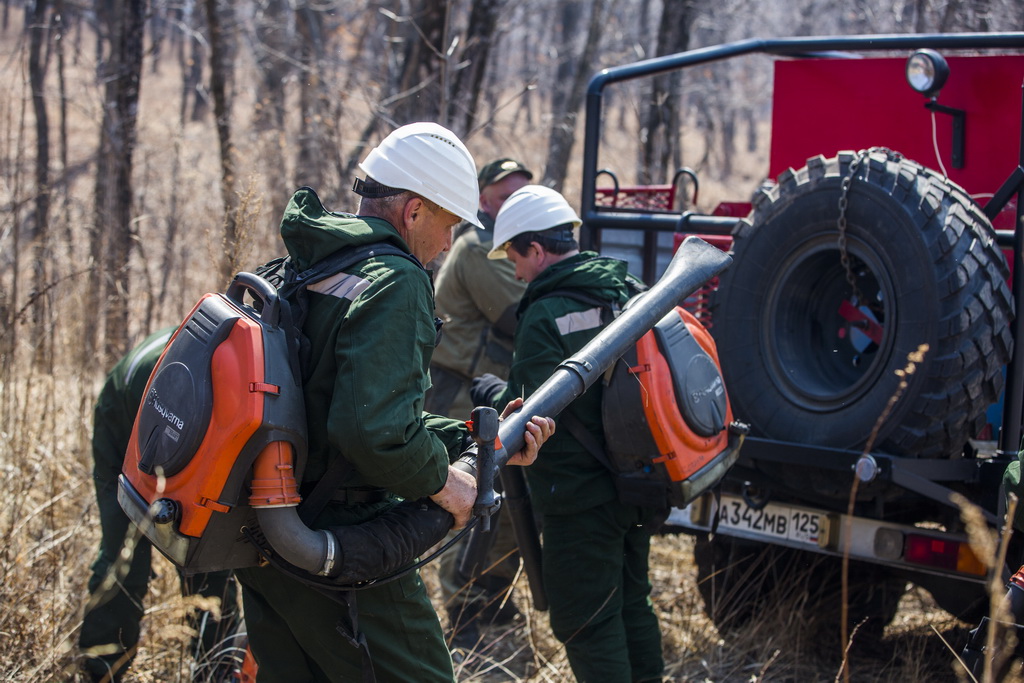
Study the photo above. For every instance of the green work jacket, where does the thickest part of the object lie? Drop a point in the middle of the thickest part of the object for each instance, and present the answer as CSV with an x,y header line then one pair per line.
x,y
566,478
371,333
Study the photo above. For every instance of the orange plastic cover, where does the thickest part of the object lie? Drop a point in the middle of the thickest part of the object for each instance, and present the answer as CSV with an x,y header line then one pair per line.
x,y
237,414
682,451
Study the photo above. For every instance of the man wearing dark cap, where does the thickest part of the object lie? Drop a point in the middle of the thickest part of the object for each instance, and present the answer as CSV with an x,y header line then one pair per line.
x,y
477,298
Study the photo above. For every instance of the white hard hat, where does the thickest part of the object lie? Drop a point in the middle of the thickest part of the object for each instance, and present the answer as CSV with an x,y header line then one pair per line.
x,y
431,161
531,208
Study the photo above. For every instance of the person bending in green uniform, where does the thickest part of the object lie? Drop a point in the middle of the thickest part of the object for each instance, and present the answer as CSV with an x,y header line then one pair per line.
x,y
110,627
477,298
371,333
595,560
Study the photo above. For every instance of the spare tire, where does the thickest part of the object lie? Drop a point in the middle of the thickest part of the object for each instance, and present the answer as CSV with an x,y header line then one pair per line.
x,y
813,349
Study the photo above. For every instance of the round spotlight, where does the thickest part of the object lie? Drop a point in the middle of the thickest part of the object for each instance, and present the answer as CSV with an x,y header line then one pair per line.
x,y
927,72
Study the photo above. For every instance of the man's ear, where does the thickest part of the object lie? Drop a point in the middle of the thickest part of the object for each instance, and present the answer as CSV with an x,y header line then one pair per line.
x,y
413,210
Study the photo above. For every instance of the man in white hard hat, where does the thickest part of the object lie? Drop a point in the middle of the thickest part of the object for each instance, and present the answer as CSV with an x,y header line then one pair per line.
x,y
371,333
595,560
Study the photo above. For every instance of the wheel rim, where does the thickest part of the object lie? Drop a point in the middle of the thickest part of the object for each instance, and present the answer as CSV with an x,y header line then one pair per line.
x,y
824,348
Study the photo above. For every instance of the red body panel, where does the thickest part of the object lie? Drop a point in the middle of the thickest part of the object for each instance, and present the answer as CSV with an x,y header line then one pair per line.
x,y
823,106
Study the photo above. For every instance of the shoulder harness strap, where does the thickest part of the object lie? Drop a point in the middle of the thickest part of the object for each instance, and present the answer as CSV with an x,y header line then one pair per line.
x,y
292,287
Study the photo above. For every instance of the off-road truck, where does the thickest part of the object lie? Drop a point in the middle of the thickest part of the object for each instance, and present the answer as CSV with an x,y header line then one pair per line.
x,y
866,325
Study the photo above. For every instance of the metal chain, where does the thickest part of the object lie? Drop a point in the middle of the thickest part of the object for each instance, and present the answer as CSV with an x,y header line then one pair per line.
x,y
844,255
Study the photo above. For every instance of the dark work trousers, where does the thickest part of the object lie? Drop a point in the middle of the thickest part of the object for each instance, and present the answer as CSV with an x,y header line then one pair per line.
x,y
111,625
596,575
294,631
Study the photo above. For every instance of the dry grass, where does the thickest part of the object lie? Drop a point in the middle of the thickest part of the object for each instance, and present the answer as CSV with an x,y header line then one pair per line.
x,y
48,519
49,531
785,644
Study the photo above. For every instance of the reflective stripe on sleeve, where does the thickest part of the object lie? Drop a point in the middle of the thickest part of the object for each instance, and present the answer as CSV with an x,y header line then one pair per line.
x,y
340,285
579,321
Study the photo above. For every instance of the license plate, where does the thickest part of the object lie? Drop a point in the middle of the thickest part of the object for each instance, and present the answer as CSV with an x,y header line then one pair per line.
x,y
778,521
795,524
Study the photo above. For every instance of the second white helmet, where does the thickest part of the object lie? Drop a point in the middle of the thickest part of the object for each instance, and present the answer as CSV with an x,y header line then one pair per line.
x,y
531,208
430,160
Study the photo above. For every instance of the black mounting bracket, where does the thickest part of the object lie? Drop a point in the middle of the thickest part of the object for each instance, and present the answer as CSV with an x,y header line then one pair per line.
x,y
959,116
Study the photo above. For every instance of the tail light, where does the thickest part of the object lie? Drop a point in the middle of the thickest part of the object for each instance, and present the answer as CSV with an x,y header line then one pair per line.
x,y
943,554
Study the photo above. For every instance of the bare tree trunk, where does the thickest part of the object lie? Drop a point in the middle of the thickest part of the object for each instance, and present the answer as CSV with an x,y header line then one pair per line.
x,y
752,132
529,72
919,9
157,34
418,94
105,19
10,284
414,73
566,102
346,166
222,113
37,67
951,16
984,12
468,81
275,44
659,131
113,201
728,116
93,305
60,26
193,89
186,40
981,20
173,222
313,111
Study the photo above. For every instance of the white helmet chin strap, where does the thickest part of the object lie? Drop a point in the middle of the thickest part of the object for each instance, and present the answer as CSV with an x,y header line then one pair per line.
x,y
371,189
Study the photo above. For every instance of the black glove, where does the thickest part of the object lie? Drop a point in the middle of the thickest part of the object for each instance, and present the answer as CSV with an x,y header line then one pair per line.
x,y
485,389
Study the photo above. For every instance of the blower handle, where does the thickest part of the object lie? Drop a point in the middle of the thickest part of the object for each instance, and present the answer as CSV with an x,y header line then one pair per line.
x,y
260,289
483,427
